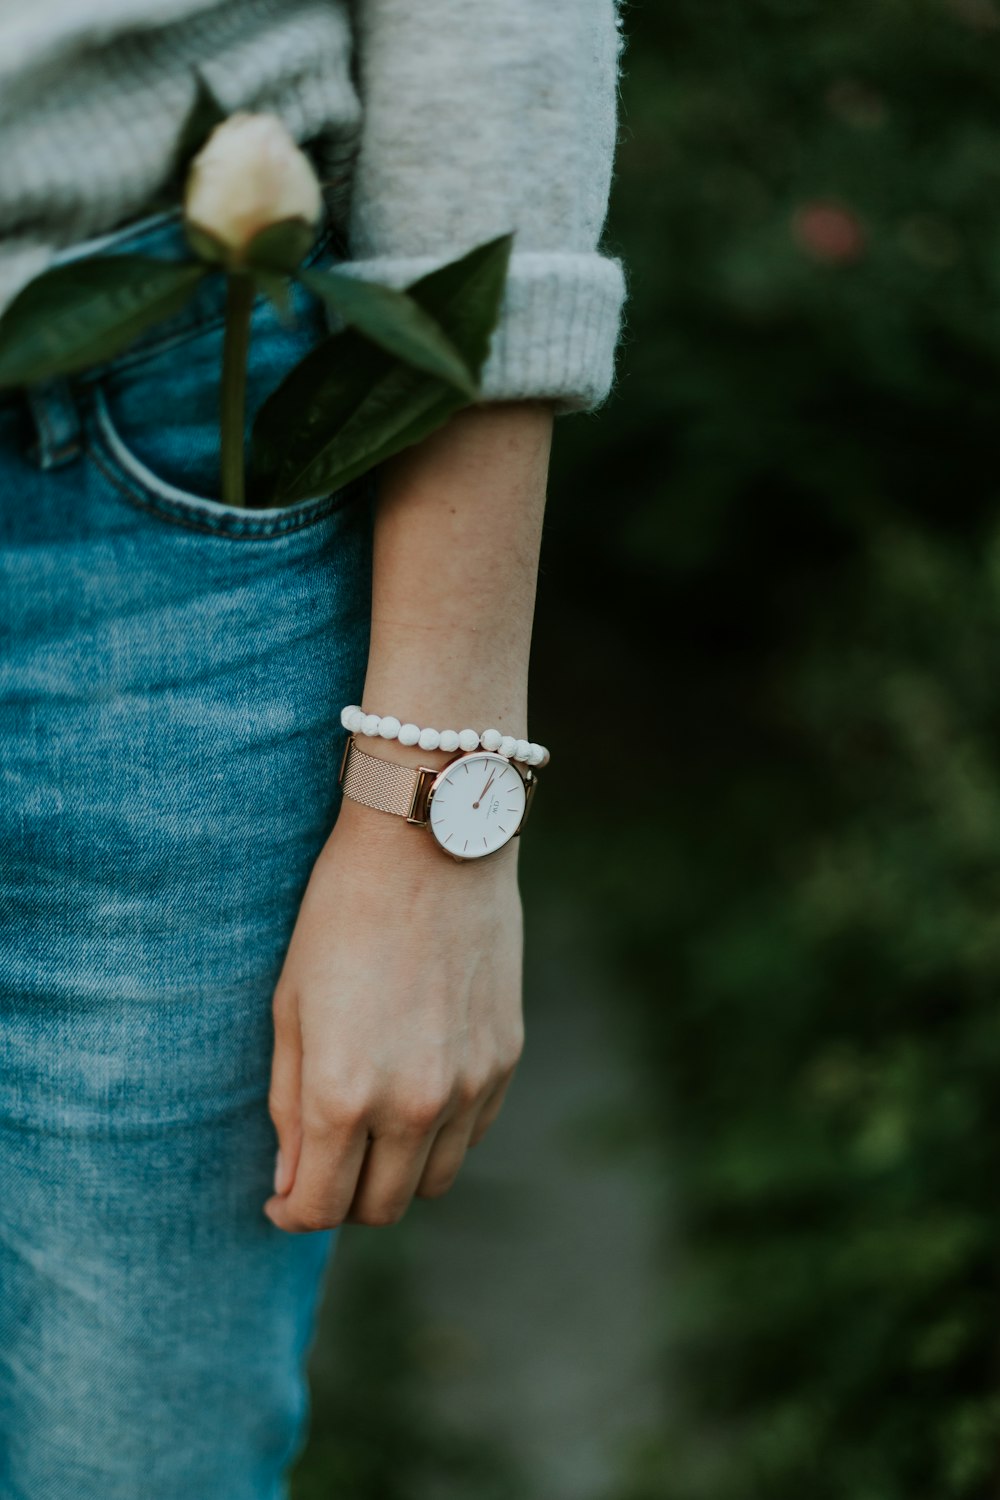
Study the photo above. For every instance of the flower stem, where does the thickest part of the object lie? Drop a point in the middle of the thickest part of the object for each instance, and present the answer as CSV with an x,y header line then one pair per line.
x,y
239,304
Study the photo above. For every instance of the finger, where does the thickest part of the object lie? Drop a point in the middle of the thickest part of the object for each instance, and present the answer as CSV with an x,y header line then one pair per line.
x,y
329,1164
284,1097
446,1156
489,1111
389,1178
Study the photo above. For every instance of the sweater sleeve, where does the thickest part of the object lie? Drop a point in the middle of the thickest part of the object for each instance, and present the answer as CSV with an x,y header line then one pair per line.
x,y
481,117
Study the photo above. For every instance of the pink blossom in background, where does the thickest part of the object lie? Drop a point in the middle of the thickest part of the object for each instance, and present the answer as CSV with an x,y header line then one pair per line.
x,y
829,232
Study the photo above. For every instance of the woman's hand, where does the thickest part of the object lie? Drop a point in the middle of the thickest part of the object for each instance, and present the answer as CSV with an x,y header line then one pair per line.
x,y
398,1011
397,1017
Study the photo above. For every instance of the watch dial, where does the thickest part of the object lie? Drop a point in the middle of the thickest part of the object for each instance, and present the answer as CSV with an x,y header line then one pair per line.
x,y
476,805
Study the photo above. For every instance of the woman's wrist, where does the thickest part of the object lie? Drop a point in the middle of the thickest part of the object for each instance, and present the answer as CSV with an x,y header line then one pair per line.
x,y
391,849
389,839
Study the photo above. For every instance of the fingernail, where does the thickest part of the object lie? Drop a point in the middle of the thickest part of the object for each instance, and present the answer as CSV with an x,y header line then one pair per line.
x,y
279,1174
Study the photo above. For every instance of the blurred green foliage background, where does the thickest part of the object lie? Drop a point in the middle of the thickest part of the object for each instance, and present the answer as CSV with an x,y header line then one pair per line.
x,y
771,598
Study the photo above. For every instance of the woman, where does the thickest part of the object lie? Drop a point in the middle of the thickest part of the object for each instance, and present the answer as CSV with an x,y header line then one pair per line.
x,y
203,955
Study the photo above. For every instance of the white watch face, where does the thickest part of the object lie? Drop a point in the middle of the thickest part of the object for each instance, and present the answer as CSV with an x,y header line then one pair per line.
x,y
476,805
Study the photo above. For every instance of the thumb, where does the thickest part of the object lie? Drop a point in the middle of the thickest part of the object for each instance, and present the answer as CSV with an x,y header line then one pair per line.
x,y
284,1098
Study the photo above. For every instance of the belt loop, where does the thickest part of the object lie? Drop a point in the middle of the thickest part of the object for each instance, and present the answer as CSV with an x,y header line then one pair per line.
x,y
54,408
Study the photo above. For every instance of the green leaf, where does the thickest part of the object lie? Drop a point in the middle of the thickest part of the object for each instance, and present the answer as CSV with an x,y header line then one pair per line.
x,y
350,404
206,112
395,321
86,312
280,247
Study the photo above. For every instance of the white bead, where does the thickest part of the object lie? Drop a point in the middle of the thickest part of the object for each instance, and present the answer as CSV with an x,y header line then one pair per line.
x,y
468,740
346,713
408,734
429,739
522,750
535,753
449,739
508,745
491,739
546,757
369,725
356,720
389,727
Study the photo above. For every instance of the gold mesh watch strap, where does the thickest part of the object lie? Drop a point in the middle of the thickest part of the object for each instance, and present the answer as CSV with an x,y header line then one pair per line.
x,y
378,783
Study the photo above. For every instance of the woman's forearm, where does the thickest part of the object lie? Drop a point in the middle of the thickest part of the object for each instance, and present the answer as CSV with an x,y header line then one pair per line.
x,y
457,533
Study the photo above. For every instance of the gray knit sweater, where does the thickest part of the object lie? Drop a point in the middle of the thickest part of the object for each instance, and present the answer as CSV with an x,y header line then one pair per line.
x,y
437,124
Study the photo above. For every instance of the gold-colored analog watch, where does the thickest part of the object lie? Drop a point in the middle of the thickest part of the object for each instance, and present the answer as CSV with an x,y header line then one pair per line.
x,y
472,807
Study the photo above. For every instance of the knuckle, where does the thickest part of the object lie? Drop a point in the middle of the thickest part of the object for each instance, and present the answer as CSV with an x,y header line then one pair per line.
x,y
514,1053
421,1112
320,1126
472,1087
316,1121
330,1113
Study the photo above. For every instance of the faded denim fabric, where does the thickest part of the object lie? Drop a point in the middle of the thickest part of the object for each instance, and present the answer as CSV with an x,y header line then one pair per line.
x,y
171,677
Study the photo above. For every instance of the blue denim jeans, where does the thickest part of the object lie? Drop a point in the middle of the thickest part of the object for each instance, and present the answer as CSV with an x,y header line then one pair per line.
x,y
171,676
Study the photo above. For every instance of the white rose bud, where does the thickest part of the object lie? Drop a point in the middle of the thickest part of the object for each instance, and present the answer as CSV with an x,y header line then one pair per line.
x,y
248,175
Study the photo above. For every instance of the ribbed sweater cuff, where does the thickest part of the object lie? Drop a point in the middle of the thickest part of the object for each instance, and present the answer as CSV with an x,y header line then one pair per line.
x,y
558,329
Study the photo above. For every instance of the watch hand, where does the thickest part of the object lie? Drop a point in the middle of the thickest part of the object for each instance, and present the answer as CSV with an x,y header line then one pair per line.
x,y
486,788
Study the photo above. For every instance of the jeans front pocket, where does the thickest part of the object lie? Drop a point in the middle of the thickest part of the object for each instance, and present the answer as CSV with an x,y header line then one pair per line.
x,y
153,425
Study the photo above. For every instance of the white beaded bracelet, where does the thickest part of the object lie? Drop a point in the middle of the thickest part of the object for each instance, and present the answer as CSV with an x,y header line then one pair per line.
x,y
356,721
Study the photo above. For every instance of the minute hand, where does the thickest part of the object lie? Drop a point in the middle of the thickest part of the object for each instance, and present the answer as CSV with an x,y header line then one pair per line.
x,y
486,788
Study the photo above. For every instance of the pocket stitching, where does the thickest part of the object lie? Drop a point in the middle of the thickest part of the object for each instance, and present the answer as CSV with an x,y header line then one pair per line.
x,y
193,518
